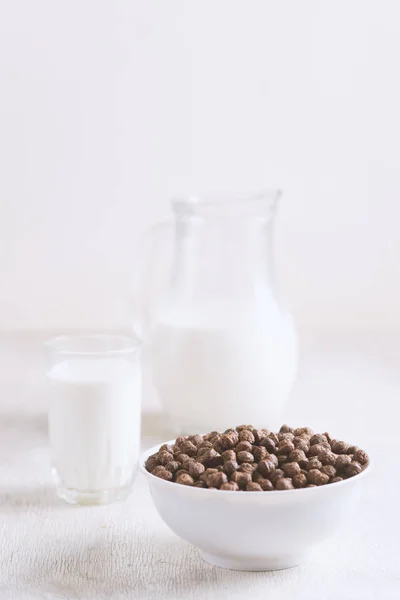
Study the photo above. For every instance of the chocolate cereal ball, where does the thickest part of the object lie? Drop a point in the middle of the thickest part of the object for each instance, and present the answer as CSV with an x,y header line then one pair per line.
x,y
361,457
242,479
284,483
317,477
300,480
152,462
342,461
230,487
253,487
354,468
228,455
339,447
162,473
291,469
185,479
195,469
244,456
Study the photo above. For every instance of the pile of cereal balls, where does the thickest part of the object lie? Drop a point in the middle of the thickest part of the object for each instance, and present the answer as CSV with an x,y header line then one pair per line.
x,y
256,460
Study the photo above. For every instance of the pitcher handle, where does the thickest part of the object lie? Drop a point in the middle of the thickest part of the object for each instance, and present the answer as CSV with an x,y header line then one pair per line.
x,y
149,277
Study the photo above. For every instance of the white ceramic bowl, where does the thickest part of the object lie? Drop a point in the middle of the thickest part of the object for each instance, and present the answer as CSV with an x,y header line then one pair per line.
x,y
253,531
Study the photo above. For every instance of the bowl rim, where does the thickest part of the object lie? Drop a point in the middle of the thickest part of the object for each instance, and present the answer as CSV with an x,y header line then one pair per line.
x,y
145,455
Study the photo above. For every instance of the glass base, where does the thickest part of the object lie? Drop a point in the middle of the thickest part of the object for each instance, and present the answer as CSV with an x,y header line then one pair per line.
x,y
88,498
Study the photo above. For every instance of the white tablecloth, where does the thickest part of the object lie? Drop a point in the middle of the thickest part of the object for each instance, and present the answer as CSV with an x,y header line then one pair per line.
x,y
349,385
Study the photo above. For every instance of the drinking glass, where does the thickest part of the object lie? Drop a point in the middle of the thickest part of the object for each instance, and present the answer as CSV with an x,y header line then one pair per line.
x,y
94,415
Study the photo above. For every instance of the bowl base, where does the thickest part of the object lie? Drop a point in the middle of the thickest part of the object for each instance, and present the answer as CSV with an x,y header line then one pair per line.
x,y
268,563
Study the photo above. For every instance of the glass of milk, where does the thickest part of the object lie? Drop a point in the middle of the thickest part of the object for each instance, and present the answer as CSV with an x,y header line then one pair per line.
x,y
94,416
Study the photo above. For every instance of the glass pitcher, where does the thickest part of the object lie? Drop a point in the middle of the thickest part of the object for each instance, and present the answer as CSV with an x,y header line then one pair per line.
x,y
220,344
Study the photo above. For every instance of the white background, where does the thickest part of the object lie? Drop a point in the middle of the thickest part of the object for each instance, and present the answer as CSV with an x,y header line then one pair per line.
x,y
107,108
